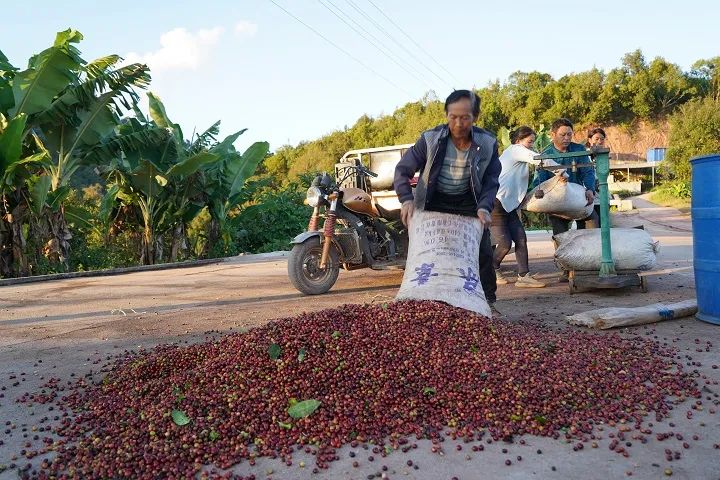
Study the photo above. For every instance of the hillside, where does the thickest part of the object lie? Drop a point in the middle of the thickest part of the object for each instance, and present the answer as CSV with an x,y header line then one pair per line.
x,y
633,102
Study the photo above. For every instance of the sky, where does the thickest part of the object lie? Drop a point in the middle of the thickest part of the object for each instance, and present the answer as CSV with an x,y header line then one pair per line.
x,y
253,64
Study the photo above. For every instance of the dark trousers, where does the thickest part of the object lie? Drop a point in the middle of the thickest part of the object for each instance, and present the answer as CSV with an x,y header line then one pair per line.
x,y
507,228
487,270
560,225
581,225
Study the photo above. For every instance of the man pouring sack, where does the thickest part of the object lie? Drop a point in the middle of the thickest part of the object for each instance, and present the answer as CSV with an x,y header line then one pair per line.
x,y
459,168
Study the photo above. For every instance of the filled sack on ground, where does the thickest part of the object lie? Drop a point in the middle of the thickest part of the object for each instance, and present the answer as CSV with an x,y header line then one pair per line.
x,y
442,261
632,249
561,198
610,317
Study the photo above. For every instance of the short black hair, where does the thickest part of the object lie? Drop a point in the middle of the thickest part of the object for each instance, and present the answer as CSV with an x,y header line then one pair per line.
x,y
560,122
520,133
457,95
596,130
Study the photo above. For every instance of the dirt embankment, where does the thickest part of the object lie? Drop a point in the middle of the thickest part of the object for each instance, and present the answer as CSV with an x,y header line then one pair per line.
x,y
630,142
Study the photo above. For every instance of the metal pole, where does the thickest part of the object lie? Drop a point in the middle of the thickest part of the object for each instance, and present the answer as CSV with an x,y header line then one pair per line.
x,y
602,166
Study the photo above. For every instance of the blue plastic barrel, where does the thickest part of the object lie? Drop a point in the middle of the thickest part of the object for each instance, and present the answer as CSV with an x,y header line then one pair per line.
x,y
706,235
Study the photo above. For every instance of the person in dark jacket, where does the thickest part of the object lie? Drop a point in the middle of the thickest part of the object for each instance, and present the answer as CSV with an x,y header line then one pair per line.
x,y
561,133
459,168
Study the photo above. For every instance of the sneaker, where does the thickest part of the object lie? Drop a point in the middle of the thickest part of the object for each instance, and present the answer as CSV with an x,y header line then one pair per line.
x,y
499,279
526,281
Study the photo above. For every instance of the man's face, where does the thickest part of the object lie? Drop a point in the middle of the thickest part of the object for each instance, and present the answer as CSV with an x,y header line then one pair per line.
x,y
562,137
460,118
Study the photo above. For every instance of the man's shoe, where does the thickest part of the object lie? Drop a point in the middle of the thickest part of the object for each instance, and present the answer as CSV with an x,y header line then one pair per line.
x,y
526,281
499,278
495,312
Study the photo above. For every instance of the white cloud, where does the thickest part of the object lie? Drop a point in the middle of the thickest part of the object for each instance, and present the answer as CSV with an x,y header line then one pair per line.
x,y
245,28
179,49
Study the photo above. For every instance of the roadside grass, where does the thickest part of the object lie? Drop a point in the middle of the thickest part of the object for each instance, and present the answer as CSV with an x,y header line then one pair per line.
x,y
667,199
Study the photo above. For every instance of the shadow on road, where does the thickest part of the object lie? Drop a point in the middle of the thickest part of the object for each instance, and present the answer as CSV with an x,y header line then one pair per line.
x,y
178,306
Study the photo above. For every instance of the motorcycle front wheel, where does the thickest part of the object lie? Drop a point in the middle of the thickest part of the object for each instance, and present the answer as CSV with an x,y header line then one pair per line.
x,y
304,267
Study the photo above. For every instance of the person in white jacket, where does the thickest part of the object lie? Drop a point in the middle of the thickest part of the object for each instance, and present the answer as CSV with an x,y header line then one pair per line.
x,y
507,228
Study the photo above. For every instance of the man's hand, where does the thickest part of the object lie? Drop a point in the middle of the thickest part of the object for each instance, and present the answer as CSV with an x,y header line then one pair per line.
x,y
539,193
590,197
406,212
485,218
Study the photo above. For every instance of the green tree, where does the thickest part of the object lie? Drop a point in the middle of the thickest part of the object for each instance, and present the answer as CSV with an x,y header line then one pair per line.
x,y
635,90
656,89
528,97
612,104
573,96
706,76
694,130
493,108
271,218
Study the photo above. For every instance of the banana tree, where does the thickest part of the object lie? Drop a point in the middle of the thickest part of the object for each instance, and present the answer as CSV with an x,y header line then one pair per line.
x,y
162,181
16,199
186,193
149,189
74,109
217,184
225,182
84,120
170,182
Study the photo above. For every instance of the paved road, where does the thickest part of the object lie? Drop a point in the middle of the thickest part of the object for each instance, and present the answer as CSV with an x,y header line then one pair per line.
x,y
241,294
69,324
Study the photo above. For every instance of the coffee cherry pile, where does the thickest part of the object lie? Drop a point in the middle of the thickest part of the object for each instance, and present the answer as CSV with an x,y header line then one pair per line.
x,y
379,374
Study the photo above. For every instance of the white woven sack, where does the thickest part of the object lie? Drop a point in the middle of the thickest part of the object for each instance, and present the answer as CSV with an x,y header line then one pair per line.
x,y
632,249
610,317
442,261
561,198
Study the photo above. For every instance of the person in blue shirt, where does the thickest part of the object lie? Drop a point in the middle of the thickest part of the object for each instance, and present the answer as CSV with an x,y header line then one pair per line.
x,y
561,134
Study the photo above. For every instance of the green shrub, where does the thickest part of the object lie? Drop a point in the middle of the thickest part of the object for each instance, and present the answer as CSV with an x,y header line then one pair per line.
x,y
90,249
694,130
623,194
272,220
534,220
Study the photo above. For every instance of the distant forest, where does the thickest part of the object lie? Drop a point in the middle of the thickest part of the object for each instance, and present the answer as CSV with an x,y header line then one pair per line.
x,y
638,91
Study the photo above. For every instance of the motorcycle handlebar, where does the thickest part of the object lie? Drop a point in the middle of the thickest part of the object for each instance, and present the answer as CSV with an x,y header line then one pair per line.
x,y
367,172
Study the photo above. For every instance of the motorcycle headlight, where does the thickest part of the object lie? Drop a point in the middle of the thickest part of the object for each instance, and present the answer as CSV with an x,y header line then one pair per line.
x,y
313,196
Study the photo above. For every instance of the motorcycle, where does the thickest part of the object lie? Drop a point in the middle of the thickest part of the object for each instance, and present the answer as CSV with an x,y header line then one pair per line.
x,y
357,232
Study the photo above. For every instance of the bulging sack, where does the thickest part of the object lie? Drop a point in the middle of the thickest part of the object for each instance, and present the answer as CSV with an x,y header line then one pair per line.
x,y
610,317
442,261
632,249
561,198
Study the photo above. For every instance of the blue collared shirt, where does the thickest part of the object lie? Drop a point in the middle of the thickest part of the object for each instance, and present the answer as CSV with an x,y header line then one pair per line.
x,y
584,175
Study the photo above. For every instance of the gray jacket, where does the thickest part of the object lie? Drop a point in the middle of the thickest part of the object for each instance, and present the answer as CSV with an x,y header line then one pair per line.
x,y
427,156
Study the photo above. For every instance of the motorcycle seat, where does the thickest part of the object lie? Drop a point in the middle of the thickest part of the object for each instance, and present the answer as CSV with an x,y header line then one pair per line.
x,y
392,215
